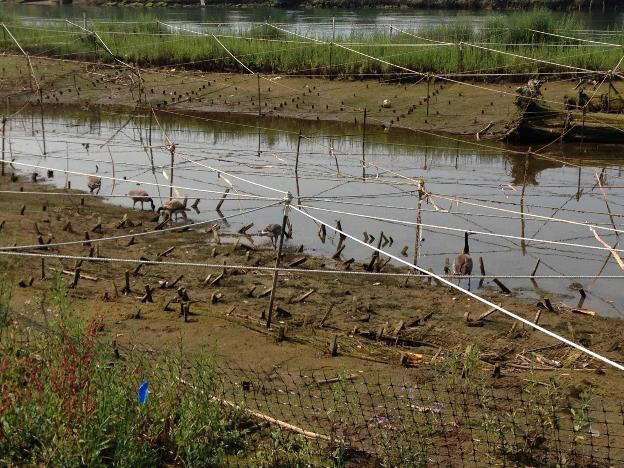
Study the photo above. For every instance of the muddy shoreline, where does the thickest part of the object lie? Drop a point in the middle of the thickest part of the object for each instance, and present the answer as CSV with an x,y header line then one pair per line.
x,y
453,109
226,313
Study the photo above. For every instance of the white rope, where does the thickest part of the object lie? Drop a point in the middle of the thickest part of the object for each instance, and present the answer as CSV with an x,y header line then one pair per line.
x,y
446,228
139,234
576,38
474,296
285,270
567,221
530,58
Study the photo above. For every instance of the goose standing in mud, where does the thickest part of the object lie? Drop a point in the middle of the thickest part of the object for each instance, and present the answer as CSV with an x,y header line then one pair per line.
x,y
141,196
94,182
174,207
273,231
462,265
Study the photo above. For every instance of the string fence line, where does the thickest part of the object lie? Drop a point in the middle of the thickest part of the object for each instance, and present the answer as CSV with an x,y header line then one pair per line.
x,y
468,293
458,201
447,228
269,269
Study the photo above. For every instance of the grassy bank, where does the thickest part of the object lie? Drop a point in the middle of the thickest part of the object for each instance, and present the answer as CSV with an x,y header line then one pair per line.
x,y
267,50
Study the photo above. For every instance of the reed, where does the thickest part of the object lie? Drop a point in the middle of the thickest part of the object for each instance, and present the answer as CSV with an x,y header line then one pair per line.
x,y
267,50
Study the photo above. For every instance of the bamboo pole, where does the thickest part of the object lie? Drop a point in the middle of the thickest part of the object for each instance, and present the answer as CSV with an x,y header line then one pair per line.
x,y
363,146
259,103
297,168
287,200
331,49
42,125
418,222
172,151
3,137
524,182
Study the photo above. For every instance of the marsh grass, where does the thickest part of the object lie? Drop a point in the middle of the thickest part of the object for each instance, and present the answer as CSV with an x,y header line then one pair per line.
x,y
148,43
67,401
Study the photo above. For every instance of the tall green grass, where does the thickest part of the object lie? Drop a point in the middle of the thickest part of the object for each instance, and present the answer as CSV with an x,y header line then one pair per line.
x,y
148,43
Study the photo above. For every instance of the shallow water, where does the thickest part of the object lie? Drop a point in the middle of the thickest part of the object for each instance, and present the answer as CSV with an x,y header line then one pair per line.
x,y
486,176
316,21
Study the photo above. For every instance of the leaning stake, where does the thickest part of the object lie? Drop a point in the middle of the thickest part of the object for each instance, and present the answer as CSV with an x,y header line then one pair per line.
x,y
287,200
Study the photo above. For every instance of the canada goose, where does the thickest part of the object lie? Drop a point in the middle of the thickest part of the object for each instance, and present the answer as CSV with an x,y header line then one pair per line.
x,y
462,265
273,231
94,182
141,196
174,207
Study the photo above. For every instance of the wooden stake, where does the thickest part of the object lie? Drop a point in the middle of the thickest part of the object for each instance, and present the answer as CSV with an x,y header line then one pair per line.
x,y
277,264
3,136
42,126
148,294
333,346
223,197
74,283
259,103
126,289
482,269
363,147
537,264
172,151
297,167
43,268
326,316
502,287
524,182
418,222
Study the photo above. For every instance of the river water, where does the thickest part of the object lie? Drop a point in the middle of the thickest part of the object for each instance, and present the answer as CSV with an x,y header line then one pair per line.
x,y
316,21
483,176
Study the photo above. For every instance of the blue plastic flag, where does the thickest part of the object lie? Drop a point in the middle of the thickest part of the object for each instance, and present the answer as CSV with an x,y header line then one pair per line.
x,y
142,396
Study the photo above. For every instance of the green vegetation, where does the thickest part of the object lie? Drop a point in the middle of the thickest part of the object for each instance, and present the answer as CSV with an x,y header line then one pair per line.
x,y
267,50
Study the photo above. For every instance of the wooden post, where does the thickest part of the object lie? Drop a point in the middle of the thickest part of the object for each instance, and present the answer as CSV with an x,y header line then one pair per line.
x,y
149,138
259,103
363,145
578,185
3,135
461,57
277,260
43,268
223,197
418,222
297,167
524,182
535,268
42,126
74,283
331,49
172,151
